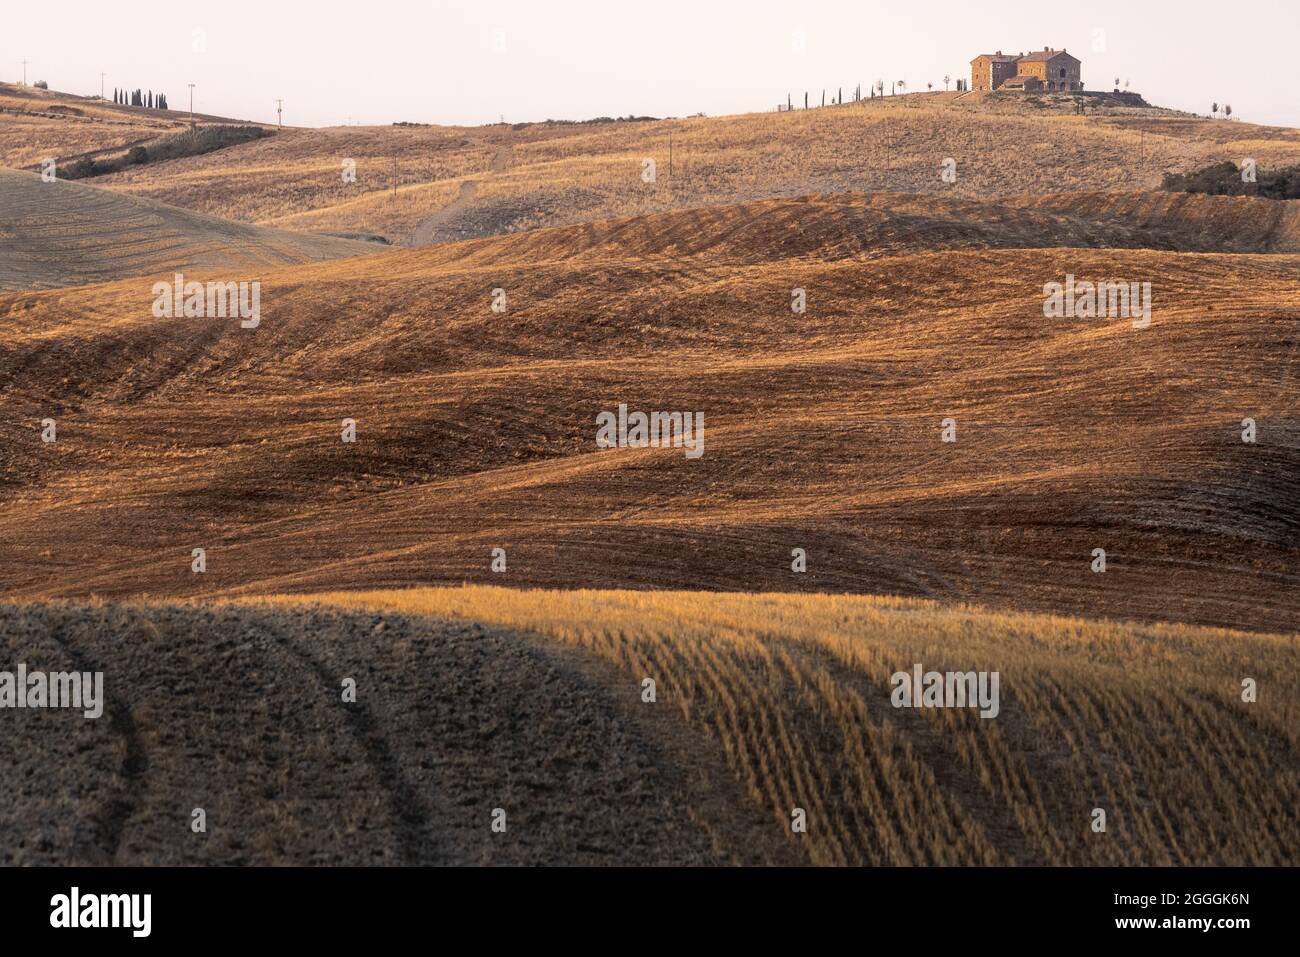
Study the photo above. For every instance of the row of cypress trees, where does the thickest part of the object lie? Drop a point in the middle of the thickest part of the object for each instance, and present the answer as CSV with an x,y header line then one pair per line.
x,y
140,98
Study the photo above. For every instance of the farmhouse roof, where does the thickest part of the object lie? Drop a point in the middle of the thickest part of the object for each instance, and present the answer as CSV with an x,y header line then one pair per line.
x,y
997,57
1043,55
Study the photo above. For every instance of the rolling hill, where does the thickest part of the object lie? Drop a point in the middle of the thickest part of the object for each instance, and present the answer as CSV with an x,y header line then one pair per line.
x,y
920,467
458,183
476,430
59,234
36,125
474,700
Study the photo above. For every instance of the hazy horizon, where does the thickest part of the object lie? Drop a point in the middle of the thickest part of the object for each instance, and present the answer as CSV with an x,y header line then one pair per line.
x,y
463,63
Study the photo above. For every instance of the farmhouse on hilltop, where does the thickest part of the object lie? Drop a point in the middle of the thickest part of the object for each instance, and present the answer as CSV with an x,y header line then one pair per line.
x,y
1046,69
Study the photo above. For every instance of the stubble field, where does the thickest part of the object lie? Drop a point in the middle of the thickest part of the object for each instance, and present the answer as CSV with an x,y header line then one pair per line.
x,y
946,459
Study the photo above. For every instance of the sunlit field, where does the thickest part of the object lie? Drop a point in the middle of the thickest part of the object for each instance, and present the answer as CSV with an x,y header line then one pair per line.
x,y
1145,722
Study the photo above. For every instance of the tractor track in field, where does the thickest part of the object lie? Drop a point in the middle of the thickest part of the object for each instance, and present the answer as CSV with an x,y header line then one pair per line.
x,y
414,836
238,710
110,826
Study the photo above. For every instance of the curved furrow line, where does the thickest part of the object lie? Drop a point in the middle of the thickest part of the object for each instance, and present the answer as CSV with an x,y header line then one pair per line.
x,y
132,783
416,839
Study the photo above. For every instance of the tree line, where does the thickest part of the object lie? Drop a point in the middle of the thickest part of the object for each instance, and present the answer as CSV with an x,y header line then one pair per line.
x,y
149,99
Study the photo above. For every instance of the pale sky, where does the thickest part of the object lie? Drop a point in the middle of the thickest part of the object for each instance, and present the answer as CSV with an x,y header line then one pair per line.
x,y
451,61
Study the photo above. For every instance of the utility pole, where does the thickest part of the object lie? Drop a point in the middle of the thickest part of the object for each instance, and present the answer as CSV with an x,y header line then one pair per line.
x,y
101,85
24,73
279,113
394,176
670,159
191,86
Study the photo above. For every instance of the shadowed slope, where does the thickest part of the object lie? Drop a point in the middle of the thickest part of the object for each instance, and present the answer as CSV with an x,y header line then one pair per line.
x,y
531,703
1144,722
476,429
242,713
1185,220
67,234
857,225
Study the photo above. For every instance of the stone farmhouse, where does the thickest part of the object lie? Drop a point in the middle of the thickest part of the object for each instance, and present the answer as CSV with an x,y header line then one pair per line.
x,y
1046,69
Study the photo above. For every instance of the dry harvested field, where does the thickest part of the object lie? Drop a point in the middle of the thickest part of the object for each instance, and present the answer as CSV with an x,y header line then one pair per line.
x,y
473,699
553,174
459,182
298,175
240,713
183,507
65,234
476,430
36,125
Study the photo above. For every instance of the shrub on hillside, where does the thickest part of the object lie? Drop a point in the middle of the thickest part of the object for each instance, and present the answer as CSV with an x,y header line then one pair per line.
x,y
83,168
204,139
1224,179
192,142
